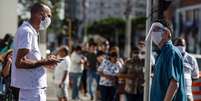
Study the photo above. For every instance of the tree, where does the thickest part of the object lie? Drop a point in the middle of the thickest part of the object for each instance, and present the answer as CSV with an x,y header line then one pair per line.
x,y
107,27
116,27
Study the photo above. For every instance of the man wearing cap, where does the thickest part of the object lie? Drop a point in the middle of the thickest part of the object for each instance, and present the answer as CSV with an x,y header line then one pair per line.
x,y
168,81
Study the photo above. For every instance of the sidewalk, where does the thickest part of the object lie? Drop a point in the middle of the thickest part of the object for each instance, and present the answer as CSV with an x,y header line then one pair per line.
x,y
51,94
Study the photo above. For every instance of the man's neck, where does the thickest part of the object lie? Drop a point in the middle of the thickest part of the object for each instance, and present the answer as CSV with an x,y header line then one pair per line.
x,y
162,43
34,25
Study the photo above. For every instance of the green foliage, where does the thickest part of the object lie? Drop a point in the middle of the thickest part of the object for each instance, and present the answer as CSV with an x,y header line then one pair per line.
x,y
138,23
111,26
108,26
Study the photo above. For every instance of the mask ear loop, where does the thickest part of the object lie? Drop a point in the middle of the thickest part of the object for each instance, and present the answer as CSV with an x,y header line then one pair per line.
x,y
42,17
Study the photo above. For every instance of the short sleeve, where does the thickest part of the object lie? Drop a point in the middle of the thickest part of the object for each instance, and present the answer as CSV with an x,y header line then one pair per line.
x,y
195,72
101,67
75,58
25,39
65,65
174,66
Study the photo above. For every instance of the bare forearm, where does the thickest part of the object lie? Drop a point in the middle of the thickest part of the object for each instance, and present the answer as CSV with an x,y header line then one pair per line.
x,y
28,64
6,69
126,76
107,76
24,63
171,91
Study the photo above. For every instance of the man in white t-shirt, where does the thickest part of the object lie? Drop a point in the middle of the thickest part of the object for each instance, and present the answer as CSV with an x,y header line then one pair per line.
x,y
60,73
28,68
191,69
76,70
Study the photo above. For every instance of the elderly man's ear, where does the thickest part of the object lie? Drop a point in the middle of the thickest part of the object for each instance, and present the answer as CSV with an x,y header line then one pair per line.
x,y
166,35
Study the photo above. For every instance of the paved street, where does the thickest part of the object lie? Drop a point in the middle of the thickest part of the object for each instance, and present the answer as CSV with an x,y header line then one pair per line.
x,y
51,91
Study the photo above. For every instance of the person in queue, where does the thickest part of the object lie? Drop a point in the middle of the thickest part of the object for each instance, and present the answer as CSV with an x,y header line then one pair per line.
x,y
191,69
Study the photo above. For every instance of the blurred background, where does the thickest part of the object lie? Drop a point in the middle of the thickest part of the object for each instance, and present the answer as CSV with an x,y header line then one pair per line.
x,y
78,21
120,22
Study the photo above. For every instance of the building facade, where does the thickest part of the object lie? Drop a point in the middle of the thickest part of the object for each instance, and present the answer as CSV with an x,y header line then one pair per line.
x,y
93,10
186,18
8,17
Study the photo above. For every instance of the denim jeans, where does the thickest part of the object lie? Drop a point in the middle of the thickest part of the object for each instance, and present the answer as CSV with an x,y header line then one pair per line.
x,y
76,78
91,75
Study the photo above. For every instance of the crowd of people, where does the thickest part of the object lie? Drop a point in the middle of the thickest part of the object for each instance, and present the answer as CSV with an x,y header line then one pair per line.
x,y
81,67
102,65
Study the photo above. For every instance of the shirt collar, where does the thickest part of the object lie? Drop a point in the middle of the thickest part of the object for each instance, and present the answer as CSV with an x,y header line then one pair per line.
x,y
27,23
168,43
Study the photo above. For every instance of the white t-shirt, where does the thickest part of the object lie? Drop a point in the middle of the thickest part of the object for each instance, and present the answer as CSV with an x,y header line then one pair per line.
x,y
76,67
60,69
27,37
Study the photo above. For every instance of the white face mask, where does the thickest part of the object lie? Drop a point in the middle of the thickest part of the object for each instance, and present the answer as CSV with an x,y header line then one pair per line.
x,y
44,24
182,49
157,37
142,56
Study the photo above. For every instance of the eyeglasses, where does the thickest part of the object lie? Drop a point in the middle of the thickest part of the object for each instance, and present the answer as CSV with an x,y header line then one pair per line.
x,y
157,29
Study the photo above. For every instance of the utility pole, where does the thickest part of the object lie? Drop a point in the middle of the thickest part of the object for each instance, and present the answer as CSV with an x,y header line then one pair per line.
x,y
148,45
69,34
42,42
127,48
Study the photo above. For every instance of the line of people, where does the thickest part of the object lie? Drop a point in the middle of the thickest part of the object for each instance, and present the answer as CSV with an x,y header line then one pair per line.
x,y
113,76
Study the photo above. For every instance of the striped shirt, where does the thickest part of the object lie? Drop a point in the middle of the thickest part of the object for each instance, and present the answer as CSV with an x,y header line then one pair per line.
x,y
191,71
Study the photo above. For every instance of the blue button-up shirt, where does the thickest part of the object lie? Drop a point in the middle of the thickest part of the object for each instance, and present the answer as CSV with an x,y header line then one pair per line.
x,y
169,65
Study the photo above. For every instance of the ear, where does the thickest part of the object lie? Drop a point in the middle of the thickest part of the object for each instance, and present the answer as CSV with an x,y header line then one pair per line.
x,y
166,35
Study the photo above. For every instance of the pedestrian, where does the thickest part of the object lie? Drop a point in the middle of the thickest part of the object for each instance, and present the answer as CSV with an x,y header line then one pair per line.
x,y
76,70
104,46
142,55
61,72
28,67
92,69
11,92
191,69
133,75
119,96
168,81
108,71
